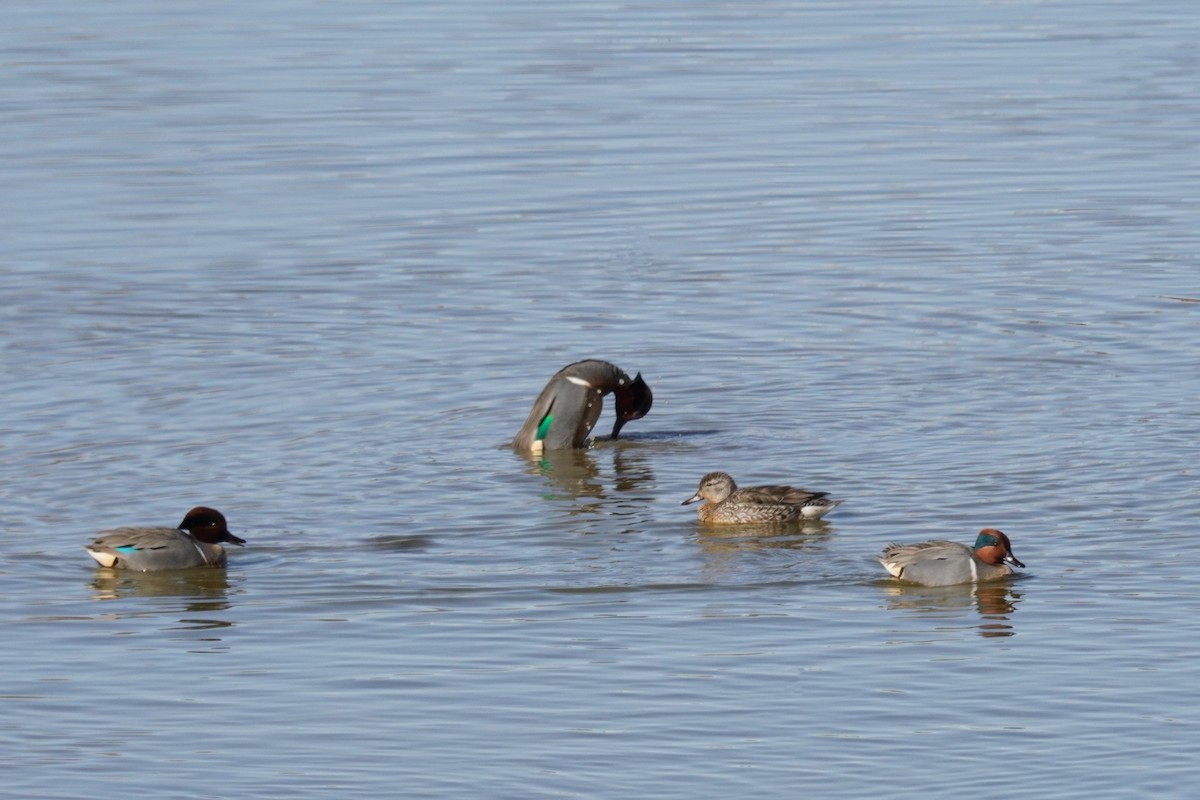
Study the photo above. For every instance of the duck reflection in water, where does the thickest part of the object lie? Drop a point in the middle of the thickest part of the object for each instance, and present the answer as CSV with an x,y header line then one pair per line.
x,y
764,536
203,592
761,548
994,602
578,475
569,406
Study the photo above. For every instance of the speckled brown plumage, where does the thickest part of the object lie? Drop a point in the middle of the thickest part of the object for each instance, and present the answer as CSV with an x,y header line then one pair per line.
x,y
729,505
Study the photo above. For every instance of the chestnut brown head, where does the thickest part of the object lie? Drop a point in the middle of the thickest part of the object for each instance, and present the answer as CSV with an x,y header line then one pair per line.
x,y
993,547
208,525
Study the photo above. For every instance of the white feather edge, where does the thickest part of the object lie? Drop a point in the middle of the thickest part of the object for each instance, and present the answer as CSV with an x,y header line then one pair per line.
x,y
104,559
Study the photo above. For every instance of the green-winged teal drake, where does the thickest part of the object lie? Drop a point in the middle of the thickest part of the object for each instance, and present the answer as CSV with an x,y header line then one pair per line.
x,y
942,563
729,505
567,409
195,543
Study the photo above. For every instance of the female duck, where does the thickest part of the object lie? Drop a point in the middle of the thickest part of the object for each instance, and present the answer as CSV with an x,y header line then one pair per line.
x,y
729,505
195,543
567,409
942,563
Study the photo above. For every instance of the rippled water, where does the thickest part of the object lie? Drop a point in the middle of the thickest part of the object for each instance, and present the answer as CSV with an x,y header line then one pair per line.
x,y
311,263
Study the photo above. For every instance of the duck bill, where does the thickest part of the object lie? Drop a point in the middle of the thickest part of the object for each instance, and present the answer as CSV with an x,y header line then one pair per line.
x,y
229,537
1011,559
693,499
620,423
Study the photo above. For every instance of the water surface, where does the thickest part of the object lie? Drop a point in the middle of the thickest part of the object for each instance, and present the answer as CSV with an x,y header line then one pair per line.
x,y
311,263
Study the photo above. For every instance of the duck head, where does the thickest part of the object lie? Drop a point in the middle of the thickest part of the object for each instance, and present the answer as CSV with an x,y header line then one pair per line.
x,y
634,399
208,525
992,547
714,487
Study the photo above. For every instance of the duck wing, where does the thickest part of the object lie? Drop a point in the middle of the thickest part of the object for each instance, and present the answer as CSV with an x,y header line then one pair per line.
x,y
778,495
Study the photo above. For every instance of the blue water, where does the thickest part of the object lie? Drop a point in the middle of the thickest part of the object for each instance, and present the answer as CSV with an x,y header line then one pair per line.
x,y
310,264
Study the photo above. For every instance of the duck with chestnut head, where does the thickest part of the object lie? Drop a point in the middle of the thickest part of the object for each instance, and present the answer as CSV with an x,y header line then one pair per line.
x,y
942,563
195,542
569,406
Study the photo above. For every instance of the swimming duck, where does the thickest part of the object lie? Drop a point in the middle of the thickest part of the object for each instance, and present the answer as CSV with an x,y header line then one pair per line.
x,y
195,543
565,412
942,563
729,505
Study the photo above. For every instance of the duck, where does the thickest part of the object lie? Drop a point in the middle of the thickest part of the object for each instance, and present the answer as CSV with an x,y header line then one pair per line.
x,y
942,563
195,542
729,505
570,404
